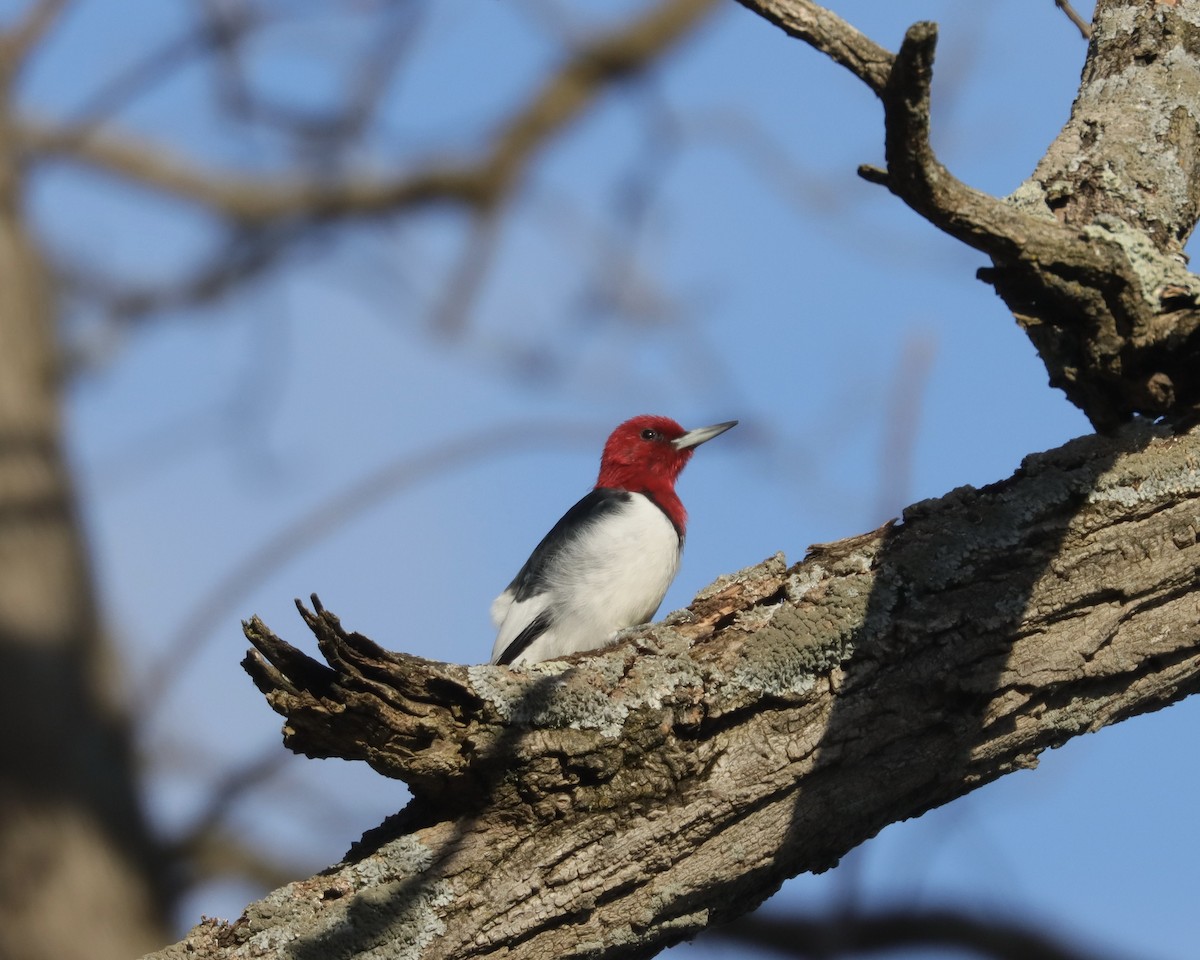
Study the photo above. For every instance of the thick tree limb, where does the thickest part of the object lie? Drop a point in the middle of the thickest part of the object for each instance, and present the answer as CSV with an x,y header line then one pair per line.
x,y
608,806
1087,252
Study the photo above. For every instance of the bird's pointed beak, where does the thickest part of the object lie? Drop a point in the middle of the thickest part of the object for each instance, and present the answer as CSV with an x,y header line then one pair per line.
x,y
693,438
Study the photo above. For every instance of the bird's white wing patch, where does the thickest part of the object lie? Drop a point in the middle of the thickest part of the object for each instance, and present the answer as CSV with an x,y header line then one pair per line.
x,y
614,574
501,606
511,617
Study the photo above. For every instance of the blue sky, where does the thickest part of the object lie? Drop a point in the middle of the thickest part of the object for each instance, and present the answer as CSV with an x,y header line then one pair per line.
x,y
770,285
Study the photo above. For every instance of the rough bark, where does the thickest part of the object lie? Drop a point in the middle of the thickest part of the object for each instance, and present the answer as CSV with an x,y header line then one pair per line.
x,y
78,866
612,805
1087,252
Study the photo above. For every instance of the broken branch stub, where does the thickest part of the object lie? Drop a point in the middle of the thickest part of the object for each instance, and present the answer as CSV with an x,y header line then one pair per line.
x,y
946,617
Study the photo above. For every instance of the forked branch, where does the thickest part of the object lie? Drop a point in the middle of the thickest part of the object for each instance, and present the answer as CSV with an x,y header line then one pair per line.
x,y
1086,254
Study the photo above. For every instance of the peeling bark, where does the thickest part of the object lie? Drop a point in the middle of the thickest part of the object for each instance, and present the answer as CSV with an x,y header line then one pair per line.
x,y
609,806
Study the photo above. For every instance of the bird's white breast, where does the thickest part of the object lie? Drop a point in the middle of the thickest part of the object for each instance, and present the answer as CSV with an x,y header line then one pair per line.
x,y
613,574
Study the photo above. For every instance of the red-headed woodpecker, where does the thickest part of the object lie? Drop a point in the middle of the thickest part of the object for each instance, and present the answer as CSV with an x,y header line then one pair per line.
x,y
608,562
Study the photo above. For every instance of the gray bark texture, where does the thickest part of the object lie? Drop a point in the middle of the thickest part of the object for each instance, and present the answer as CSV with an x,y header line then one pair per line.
x,y
1087,252
608,806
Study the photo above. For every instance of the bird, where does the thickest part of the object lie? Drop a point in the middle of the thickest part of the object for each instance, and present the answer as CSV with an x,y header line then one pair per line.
x,y
608,562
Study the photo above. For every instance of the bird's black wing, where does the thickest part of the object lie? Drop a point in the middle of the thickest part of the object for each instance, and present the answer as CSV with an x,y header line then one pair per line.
x,y
533,579
537,626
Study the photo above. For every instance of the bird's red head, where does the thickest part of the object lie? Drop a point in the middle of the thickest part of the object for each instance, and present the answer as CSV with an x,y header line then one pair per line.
x,y
641,452
646,454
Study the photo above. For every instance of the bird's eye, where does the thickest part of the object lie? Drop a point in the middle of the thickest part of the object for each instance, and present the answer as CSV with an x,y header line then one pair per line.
x,y
649,434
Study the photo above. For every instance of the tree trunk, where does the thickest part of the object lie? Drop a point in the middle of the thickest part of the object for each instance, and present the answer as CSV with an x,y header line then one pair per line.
x,y
78,876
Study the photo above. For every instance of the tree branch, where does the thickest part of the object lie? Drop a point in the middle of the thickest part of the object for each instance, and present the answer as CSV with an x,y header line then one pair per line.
x,y
611,805
17,44
916,175
478,185
248,200
1084,28
1087,253
825,31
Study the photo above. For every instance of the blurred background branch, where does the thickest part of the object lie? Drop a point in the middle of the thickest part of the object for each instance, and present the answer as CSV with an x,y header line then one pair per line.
x,y
857,935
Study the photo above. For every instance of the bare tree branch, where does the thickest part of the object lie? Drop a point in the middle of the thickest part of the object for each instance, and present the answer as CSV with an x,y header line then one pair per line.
x,y
140,77
913,172
247,254
326,133
218,855
916,175
1084,28
825,31
853,935
23,38
248,200
479,185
